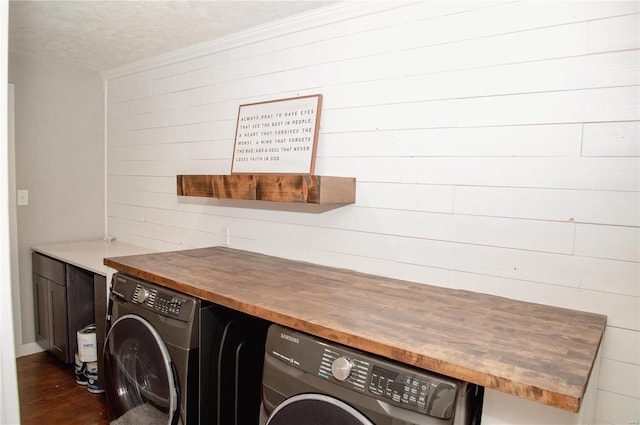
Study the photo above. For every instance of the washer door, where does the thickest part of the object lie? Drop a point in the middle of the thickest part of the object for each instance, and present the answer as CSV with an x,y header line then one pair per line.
x,y
140,383
316,409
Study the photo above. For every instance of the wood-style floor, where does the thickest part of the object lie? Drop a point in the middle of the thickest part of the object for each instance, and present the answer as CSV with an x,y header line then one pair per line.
x,y
50,395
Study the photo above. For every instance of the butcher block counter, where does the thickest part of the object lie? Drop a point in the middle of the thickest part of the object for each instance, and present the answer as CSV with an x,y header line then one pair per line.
x,y
532,351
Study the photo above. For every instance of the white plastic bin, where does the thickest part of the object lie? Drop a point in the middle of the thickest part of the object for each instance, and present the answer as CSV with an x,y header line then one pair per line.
x,y
87,347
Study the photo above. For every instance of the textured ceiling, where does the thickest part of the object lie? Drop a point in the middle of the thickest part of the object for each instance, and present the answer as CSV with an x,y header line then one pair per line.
x,y
102,35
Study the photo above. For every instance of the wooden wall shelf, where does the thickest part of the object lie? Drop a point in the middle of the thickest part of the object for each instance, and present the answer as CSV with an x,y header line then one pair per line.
x,y
297,188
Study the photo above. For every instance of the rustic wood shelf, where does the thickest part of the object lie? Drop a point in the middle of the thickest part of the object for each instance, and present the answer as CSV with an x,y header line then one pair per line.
x,y
297,188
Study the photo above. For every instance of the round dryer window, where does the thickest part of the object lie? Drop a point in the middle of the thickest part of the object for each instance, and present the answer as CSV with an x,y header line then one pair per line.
x,y
140,387
316,409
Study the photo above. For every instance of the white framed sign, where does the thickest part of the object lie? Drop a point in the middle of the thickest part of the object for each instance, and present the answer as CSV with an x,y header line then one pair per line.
x,y
277,136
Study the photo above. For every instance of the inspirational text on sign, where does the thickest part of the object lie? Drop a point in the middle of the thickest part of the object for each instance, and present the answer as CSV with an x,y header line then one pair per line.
x,y
277,136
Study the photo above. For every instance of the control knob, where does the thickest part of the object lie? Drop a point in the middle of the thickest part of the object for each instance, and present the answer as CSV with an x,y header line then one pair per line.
x,y
143,294
341,368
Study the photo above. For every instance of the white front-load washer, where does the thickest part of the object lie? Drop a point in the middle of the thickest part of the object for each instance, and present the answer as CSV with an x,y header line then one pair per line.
x,y
310,381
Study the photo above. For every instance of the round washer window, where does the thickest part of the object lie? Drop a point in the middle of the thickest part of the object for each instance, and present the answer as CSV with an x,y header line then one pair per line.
x,y
316,409
140,387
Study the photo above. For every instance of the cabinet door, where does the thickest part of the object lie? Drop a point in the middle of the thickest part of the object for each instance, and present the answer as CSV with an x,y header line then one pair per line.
x,y
58,330
100,303
41,307
80,308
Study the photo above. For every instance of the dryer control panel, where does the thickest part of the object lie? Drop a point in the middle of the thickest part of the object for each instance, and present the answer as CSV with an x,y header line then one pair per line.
x,y
429,395
397,384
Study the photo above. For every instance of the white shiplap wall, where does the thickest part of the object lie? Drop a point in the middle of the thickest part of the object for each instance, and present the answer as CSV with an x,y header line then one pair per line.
x,y
495,145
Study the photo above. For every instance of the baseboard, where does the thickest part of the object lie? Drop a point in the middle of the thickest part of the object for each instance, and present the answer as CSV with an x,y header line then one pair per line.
x,y
30,348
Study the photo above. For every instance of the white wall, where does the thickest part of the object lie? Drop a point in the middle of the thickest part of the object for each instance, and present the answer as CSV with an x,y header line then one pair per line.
x,y
59,159
9,409
495,146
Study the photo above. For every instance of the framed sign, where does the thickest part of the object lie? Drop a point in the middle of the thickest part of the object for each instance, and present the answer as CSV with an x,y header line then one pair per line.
x,y
278,136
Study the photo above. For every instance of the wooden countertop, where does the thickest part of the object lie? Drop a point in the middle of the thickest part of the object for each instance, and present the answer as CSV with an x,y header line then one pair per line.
x,y
533,351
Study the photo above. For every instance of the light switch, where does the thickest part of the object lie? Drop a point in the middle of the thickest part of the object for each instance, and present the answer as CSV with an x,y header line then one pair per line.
x,y
23,197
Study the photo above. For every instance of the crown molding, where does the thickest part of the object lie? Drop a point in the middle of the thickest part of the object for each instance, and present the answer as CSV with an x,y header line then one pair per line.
x,y
314,18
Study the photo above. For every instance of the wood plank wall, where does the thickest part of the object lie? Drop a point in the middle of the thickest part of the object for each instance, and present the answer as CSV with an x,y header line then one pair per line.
x,y
495,145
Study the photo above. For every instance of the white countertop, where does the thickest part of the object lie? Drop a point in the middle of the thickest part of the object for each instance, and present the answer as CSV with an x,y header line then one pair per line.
x,y
89,255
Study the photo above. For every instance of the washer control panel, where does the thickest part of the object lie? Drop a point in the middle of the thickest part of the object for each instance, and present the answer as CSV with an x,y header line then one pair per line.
x,y
410,388
155,298
158,300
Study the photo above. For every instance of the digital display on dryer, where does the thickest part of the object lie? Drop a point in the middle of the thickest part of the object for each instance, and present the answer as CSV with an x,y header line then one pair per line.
x,y
405,390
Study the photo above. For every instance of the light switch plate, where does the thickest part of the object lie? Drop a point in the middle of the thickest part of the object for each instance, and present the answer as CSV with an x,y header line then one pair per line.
x,y
23,197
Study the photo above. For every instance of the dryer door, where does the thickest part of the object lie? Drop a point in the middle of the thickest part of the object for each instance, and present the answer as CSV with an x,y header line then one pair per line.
x,y
140,382
316,409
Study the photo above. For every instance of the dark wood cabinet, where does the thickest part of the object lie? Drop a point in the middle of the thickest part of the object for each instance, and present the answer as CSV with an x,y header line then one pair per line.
x,y
100,302
63,297
58,328
41,297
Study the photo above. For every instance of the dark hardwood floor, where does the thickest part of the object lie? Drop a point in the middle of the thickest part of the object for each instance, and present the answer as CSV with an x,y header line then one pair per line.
x,y
50,395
